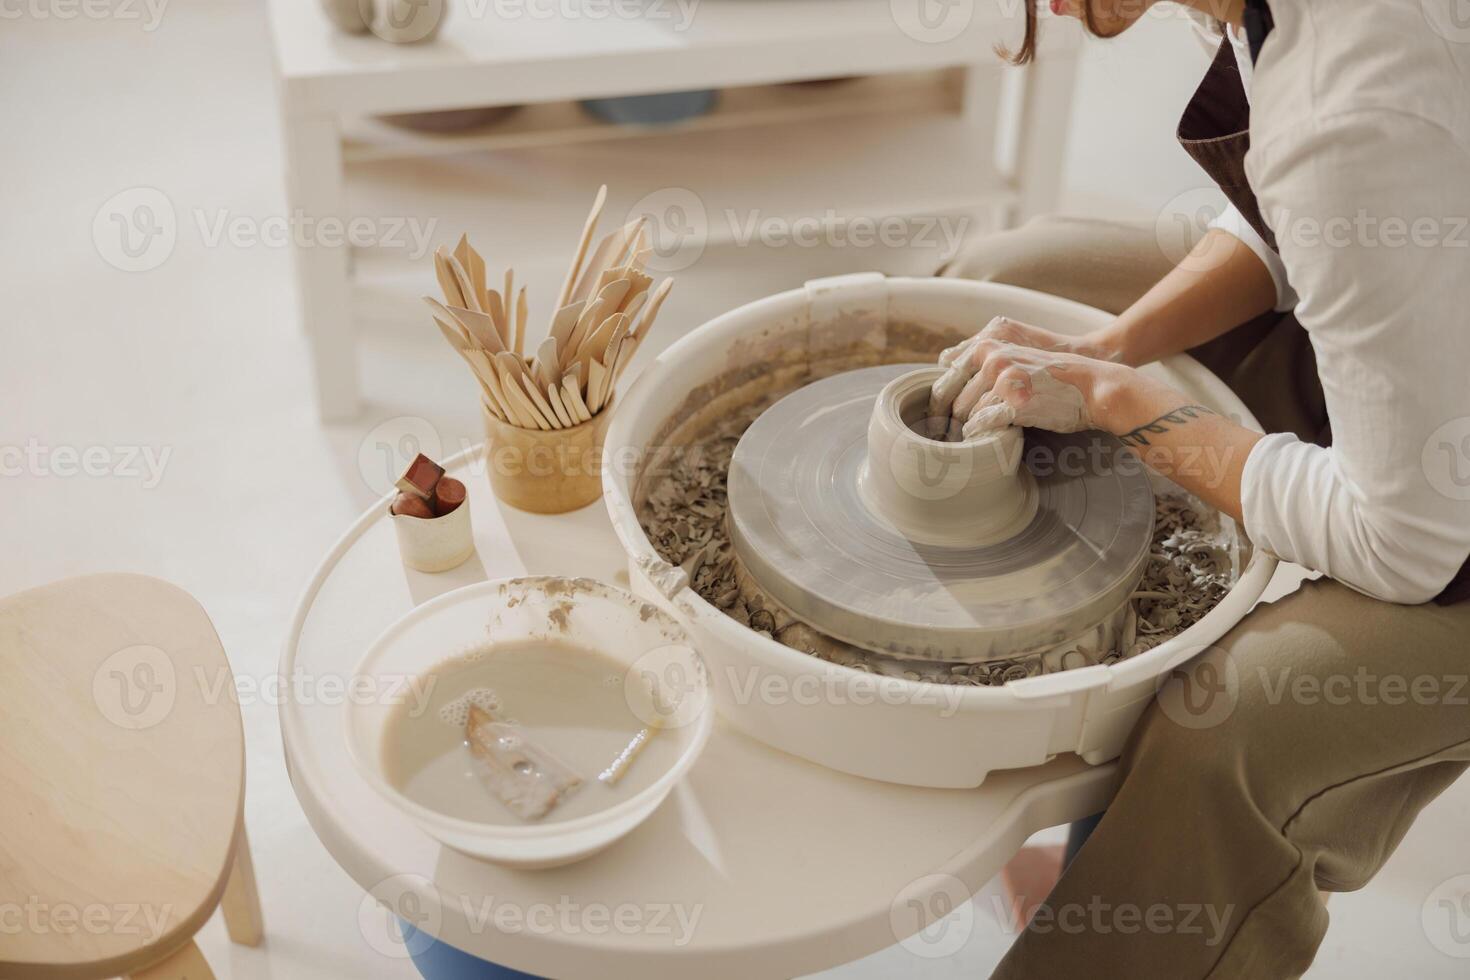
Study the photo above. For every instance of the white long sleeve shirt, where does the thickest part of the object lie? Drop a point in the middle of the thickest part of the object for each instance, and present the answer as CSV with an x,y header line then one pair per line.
x,y
1360,160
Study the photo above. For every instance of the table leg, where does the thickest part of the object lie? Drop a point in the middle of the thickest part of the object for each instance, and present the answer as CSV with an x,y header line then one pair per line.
x,y
981,85
314,191
187,963
987,102
241,901
1036,102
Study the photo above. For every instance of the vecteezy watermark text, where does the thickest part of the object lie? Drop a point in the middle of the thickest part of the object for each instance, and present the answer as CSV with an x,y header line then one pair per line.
x,y
148,12
679,14
1099,917
137,688
145,464
37,917
568,917
1205,692
414,901
300,230
137,230
680,226
757,686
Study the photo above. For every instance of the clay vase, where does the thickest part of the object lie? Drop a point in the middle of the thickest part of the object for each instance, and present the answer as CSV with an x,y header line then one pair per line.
x,y
351,16
965,493
399,21
408,21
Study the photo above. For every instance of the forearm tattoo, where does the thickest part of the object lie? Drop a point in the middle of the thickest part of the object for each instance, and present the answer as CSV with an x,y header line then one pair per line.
x,y
1162,424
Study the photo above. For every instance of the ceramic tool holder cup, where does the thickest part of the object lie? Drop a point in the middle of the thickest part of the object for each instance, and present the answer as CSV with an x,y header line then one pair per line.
x,y
546,472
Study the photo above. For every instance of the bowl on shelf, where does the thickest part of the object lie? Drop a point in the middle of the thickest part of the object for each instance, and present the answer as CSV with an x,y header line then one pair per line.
x,y
662,109
447,121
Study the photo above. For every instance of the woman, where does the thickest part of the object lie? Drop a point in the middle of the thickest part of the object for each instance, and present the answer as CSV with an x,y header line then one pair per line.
x,y
1333,297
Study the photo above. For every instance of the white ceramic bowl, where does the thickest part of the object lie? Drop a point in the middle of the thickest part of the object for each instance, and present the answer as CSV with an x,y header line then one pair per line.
x,y
882,728
597,617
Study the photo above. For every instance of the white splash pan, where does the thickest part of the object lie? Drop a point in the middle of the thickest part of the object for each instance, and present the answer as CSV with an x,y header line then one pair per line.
x,y
878,727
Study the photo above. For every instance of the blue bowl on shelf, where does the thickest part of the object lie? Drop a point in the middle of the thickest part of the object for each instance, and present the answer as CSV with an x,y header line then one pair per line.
x,y
652,110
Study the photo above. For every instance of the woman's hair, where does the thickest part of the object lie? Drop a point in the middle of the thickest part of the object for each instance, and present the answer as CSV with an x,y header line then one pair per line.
x,y
1027,50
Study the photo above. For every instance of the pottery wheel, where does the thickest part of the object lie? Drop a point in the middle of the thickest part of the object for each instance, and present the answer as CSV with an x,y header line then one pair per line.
x,y
810,537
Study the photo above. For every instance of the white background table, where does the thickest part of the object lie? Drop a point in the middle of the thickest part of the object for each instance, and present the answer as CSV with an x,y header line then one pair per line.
x,y
789,867
990,135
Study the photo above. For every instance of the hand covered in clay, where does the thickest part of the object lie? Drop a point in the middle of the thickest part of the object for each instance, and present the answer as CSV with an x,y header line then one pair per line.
x,y
1002,330
1026,393
1003,384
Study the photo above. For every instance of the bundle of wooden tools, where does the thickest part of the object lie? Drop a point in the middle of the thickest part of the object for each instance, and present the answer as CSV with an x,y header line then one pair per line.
x,y
603,312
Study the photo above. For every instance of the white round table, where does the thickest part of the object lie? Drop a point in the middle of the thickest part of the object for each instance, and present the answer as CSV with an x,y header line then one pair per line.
x,y
759,864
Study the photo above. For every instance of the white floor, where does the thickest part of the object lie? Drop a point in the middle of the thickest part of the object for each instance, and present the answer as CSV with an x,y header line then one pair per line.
x,y
200,362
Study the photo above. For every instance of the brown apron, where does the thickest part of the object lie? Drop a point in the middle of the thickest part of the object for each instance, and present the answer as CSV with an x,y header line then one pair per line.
x,y
1269,361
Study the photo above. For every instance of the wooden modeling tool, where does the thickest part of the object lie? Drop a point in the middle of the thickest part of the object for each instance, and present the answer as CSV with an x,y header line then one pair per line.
x,y
619,766
603,311
529,780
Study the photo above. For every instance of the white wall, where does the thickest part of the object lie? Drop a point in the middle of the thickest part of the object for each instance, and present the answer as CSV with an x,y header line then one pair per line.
x,y
1122,157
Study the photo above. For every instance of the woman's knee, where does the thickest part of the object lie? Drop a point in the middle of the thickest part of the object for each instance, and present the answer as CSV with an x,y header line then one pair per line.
x,y
1011,256
1100,263
1274,707
1214,720
1188,726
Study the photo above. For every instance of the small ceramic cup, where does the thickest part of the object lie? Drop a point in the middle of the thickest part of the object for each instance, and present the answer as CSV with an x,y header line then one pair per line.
x,y
408,21
399,21
435,544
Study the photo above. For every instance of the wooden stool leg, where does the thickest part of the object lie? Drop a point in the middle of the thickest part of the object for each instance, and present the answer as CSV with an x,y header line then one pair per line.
x,y
241,901
187,963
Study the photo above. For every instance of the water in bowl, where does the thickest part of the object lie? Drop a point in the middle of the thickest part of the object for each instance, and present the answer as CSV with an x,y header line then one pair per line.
x,y
565,701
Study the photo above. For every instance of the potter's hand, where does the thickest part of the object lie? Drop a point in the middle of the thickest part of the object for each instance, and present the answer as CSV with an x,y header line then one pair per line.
x,y
1006,331
1023,386
1005,384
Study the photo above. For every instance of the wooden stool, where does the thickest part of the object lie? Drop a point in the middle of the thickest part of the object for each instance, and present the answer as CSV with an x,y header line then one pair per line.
x,y
122,783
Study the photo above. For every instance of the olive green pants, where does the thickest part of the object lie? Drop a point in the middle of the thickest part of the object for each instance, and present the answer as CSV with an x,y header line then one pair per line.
x,y
1291,757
